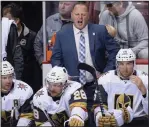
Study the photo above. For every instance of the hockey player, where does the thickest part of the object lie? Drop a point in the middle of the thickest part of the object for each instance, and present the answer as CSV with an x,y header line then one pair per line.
x,y
16,97
126,92
60,101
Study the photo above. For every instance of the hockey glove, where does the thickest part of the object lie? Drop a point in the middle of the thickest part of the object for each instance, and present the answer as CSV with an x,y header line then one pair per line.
x,y
107,121
76,121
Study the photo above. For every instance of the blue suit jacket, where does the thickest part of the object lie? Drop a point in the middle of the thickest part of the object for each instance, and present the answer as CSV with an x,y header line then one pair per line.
x,y
65,53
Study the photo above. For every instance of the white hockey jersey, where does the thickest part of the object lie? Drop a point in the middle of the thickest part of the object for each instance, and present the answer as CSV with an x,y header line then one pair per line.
x,y
72,101
116,88
16,104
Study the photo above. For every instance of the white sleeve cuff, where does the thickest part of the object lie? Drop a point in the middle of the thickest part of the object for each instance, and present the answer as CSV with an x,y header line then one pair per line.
x,y
131,113
118,114
97,109
80,112
23,122
46,124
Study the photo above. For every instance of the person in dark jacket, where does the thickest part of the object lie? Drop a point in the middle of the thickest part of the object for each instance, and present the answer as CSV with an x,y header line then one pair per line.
x,y
32,73
11,50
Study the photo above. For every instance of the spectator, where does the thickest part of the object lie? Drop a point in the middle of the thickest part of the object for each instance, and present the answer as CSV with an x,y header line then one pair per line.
x,y
132,30
32,73
99,7
11,50
53,24
16,97
125,93
67,52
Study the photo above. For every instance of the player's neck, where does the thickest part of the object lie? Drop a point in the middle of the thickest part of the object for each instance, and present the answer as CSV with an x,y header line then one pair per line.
x,y
54,98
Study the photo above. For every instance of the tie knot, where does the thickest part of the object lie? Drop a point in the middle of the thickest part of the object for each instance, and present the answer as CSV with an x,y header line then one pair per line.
x,y
81,32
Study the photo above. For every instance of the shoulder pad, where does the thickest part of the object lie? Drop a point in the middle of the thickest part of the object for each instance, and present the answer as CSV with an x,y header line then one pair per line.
x,y
22,89
40,98
106,77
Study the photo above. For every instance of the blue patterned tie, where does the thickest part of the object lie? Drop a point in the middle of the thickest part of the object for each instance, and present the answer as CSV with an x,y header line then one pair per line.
x,y
82,77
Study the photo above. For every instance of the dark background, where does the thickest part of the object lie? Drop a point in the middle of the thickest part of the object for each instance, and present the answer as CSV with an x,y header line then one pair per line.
x,y
33,12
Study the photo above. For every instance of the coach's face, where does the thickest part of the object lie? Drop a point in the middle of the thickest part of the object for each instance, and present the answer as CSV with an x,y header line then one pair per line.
x,y
80,16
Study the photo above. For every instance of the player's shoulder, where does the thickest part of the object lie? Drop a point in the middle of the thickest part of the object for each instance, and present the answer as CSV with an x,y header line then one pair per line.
x,y
72,87
41,99
22,88
40,94
74,84
143,75
108,73
107,76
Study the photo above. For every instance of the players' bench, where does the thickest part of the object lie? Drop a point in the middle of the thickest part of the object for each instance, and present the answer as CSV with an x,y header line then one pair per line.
x,y
141,64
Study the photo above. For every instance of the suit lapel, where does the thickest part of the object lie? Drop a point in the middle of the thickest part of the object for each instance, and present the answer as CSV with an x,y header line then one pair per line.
x,y
73,43
92,36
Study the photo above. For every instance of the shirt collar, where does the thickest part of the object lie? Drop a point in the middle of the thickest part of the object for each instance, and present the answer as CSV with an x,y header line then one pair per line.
x,y
77,31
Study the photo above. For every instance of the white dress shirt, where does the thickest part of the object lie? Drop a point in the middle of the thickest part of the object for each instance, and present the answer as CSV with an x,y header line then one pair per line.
x,y
88,58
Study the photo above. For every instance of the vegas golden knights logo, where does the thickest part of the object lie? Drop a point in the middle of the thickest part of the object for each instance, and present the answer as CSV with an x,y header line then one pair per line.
x,y
123,100
59,118
5,116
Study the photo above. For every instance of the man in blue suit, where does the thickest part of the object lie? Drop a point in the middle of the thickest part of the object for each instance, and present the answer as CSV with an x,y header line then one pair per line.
x,y
82,41
99,41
